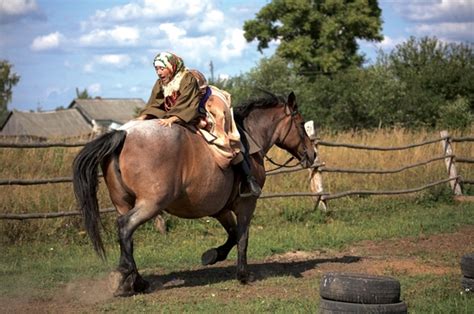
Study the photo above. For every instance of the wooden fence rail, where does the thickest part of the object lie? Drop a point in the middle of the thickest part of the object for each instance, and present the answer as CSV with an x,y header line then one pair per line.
x,y
41,145
317,186
318,142
320,167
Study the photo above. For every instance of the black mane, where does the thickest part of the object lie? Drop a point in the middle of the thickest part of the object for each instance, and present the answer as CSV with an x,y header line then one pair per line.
x,y
241,111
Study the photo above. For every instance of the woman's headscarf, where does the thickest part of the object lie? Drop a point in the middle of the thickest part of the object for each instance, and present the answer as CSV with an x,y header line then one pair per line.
x,y
169,60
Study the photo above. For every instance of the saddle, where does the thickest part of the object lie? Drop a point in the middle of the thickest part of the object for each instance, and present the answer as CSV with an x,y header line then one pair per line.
x,y
226,140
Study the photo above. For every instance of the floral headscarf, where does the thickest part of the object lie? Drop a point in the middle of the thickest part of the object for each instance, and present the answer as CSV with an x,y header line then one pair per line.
x,y
170,61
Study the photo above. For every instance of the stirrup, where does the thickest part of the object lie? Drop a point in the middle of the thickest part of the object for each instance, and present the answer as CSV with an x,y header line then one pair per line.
x,y
254,188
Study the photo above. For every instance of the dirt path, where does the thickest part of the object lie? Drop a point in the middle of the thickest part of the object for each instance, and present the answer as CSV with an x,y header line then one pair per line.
x,y
437,255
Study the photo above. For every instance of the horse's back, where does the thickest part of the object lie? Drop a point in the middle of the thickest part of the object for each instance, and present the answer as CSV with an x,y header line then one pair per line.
x,y
173,165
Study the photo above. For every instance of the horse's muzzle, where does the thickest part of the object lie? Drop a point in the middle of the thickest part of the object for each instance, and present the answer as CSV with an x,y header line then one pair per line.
x,y
308,158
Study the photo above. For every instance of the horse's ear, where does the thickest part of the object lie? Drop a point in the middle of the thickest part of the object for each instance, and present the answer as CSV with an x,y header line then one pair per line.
x,y
292,101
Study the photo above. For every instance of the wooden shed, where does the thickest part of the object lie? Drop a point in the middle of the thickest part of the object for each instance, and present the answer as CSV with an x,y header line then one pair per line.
x,y
82,118
105,113
46,125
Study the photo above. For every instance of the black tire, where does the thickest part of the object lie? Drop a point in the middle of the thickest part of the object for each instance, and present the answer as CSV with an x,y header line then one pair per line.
x,y
359,288
467,265
333,307
468,284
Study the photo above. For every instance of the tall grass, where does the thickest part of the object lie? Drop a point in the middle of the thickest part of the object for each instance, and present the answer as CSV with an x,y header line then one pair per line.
x,y
56,162
339,157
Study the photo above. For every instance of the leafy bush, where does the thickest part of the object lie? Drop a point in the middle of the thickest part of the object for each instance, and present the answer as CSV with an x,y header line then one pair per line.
x,y
421,83
456,114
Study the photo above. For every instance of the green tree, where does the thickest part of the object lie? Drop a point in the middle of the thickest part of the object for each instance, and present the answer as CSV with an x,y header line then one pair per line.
x,y
318,36
83,95
434,75
273,75
8,79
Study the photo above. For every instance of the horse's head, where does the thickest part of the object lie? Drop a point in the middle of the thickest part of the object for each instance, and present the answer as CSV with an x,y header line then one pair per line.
x,y
291,134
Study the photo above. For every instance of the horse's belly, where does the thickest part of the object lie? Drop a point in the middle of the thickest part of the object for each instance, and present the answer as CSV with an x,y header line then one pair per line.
x,y
201,200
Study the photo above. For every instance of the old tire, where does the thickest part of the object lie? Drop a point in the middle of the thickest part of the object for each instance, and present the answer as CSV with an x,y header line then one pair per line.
x,y
333,307
467,265
359,288
468,284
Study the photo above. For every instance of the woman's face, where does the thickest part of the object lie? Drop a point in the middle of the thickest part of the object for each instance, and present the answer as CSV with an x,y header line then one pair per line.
x,y
163,73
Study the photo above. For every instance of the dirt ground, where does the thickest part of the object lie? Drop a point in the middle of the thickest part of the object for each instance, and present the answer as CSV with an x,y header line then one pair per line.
x,y
409,256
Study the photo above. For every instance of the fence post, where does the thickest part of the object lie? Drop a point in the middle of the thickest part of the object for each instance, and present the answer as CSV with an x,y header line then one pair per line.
x,y
316,178
449,161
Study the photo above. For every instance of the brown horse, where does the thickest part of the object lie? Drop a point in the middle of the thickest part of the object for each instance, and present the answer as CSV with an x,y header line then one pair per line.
x,y
150,168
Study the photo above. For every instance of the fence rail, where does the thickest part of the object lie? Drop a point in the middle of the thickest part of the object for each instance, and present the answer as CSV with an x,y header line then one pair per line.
x,y
318,142
317,191
320,167
41,145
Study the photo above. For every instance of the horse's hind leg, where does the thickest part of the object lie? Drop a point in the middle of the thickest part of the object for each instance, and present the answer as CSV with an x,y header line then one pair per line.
x,y
214,255
123,200
129,280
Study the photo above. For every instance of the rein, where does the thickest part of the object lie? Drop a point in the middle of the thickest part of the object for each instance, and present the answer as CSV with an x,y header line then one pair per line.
x,y
284,165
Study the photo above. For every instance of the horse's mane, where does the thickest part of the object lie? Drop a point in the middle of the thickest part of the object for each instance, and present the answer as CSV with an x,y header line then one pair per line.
x,y
241,111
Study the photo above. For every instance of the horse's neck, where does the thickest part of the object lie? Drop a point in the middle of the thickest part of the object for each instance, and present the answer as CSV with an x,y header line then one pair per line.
x,y
262,130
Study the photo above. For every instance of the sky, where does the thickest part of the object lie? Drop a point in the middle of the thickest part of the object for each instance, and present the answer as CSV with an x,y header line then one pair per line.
x,y
107,47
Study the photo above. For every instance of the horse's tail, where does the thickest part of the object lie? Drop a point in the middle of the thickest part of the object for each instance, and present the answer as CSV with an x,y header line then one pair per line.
x,y
85,181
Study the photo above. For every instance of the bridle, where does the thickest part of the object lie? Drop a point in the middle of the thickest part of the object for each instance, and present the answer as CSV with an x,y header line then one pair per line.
x,y
301,134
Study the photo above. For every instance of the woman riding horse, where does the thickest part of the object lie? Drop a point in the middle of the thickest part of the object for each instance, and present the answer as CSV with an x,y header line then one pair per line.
x,y
176,98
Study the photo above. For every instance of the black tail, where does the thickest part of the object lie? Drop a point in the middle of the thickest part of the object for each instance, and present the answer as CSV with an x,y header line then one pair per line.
x,y
85,181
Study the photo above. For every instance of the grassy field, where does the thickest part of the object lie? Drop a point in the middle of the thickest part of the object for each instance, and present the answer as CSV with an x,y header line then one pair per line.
x,y
51,264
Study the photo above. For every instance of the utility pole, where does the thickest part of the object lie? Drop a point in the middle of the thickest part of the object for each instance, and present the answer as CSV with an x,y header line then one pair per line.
x,y
211,68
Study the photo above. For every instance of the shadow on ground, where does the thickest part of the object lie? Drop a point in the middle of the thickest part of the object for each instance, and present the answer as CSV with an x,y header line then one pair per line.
x,y
260,271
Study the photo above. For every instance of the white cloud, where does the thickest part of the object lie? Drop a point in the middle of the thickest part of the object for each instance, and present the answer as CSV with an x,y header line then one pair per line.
x,y
389,43
172,31
149,10
437,10
196,30
55,91
119,35
233,44
17,7
14,10
47,42
119,14
223,77
89,67
94,88
118,60
458,32
213,19
452,20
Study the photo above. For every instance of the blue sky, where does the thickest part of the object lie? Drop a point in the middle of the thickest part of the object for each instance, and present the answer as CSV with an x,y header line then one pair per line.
x,y
108,46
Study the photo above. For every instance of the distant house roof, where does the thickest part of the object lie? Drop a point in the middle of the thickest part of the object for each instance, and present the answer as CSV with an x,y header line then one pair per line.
x,y
51,124
119,110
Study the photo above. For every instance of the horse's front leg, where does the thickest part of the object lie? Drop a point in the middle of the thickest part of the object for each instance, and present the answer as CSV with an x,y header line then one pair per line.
x,y
244,212
214,255
126,280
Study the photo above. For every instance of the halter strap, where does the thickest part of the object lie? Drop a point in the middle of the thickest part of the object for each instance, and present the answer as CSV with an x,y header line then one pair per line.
x,y
285,164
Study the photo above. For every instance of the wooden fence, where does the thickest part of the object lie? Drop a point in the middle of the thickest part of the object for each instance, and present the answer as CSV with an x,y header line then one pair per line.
x,y
317,191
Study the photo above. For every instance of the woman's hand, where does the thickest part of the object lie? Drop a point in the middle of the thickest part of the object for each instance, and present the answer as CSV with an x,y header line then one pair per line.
x,y
168,121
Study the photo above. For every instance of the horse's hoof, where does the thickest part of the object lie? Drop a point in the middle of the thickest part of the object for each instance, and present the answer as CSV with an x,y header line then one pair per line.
x,y
140,284
245,277
209,257
127,285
